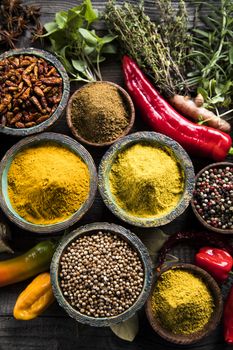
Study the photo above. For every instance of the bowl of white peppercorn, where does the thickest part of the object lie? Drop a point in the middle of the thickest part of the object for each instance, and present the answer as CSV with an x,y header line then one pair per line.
x,y
212,201
101,274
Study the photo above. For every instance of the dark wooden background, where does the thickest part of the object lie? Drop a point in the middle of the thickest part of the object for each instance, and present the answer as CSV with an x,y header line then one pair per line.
x,y
54,330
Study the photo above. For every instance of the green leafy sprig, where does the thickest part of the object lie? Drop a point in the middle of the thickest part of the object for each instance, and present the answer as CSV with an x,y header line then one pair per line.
x,y
79,48
212,55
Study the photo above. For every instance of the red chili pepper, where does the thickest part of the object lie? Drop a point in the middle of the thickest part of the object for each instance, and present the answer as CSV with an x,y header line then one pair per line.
x,y
216,261
228,318
198,140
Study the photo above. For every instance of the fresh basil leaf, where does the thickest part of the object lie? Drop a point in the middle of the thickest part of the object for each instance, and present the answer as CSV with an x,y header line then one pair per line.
x,y
50,28
90,15
106,39
88,50
79,65
128,329
88,36
61,19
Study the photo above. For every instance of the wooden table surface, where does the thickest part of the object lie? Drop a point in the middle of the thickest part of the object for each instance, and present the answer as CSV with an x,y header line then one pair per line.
x,y
55,330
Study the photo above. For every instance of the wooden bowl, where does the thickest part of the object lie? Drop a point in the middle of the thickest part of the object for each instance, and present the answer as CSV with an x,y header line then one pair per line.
x,y
208,328
128,236
64,141
129,106
200,219
65,94
156,139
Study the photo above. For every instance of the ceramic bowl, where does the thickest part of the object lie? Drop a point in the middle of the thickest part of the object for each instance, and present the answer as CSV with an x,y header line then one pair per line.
x,y
129,237
155,139
65,95
208,328
129,106
198,216
30,141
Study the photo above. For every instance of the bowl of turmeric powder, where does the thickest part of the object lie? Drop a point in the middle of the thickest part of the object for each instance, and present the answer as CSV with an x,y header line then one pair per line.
x,y
47,182
185,304
146,179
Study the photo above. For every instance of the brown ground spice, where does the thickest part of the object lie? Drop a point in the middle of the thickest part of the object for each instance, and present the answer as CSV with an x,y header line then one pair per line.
x,y
99,113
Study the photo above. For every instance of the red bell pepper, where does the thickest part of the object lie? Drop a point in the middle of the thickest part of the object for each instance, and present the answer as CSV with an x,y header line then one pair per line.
x,y
198,140
216,261
228,318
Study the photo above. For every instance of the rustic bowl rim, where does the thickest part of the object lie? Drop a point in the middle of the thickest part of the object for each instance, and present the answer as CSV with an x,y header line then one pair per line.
x,y
67,142
104,144
209,327
202,221
134,241
151,137
65,93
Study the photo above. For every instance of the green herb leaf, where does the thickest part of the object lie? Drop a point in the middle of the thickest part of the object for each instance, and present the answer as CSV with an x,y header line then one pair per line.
x,y
88,36
203,92
128,329
231,55
90,15
79,65
50,28
106,39
61,19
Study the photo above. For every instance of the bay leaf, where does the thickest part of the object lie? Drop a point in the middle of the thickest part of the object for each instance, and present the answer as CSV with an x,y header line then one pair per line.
x,y
153,239
126,330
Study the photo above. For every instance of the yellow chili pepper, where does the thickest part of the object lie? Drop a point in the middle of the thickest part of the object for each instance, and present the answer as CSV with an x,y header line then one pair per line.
x,y
35,298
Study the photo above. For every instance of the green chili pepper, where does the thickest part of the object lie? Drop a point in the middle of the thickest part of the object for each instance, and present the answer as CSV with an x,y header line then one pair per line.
x,y
33,262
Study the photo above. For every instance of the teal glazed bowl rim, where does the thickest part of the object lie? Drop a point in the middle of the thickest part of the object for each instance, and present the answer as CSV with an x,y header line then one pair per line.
x,y
64,141
134,241
65,93
156,139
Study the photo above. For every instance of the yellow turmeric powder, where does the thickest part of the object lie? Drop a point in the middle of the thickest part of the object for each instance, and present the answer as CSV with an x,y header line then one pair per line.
x,y
146,181
47,183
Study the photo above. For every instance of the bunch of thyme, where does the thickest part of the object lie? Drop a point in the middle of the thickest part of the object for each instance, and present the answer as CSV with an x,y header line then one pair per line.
x,y
156,50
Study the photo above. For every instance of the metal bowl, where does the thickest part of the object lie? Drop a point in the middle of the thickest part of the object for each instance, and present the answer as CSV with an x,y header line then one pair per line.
x,y
65,95
208,328
129,107
155,139
134,241
198,216
64,141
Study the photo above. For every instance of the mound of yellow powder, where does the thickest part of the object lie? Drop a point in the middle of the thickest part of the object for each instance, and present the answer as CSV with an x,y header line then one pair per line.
x,y
47,183
146,181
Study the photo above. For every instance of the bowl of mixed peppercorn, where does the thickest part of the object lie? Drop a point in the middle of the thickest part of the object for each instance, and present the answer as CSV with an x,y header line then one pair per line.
x,y
101,274
212,201
34,90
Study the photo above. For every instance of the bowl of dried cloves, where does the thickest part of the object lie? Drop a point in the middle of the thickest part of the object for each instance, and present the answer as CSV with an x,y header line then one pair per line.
x,y
34,90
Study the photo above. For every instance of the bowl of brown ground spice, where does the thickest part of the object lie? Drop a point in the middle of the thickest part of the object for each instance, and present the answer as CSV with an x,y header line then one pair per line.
x,y
146,179
100,113
47,182
185,304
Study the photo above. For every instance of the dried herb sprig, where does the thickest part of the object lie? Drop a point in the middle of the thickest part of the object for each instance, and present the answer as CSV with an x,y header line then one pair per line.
x,y
16,18
148,44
